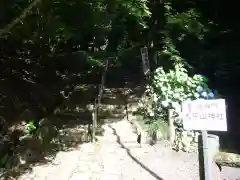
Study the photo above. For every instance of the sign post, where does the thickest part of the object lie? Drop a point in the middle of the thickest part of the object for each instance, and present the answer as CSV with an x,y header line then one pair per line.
x,y
145,61
205,115
206,160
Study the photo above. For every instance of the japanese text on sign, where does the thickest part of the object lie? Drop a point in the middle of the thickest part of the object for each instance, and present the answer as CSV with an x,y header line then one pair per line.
x,y
204,115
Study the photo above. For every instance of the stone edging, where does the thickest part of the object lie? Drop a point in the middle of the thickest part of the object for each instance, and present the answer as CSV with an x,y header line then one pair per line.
x,y
227,159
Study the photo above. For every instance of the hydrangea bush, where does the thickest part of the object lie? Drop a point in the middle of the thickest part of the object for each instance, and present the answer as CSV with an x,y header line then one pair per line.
x,y
168,91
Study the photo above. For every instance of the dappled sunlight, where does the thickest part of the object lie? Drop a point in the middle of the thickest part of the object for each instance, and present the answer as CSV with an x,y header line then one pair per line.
x,y
95,89
64,131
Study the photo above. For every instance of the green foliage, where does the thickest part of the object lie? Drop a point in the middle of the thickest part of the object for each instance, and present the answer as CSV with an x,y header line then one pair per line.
x,y
30,127
170,89
182,24
60,43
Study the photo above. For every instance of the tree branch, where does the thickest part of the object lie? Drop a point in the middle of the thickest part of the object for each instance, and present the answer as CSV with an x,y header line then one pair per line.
x,y
18,19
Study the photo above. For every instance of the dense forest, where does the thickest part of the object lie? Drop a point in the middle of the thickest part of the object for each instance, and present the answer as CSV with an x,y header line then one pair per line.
x,y
49,47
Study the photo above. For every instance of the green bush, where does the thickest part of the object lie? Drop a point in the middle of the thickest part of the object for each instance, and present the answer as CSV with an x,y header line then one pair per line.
x,y
168,91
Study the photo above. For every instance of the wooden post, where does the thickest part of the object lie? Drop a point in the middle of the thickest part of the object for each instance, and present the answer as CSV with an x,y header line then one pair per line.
x,y
94,121
101,87
97,102
171,132
204,161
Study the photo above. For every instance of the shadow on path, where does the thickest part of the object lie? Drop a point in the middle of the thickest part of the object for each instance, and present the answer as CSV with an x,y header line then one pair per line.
x,y
132,157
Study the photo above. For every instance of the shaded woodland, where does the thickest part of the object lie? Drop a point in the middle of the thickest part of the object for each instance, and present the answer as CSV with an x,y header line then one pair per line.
x,y
50,48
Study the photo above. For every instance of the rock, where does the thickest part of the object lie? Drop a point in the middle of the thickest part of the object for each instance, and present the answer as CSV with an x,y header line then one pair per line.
x,y
30,148
227,159
30,141
46,131
57,111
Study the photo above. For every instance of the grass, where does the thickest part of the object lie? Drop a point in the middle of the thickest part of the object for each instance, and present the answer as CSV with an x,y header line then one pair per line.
x,y
158,127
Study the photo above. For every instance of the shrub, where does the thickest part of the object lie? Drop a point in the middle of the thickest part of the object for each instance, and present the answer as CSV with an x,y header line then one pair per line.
x,y
167,91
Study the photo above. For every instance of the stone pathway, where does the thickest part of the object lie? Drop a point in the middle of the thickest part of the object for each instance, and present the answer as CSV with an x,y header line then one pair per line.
x,y
80,163
124,159
117,156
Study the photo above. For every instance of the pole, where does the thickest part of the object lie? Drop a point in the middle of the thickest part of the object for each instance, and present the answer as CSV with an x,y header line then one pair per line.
x,y
206,161
171,130
94,120
97,102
